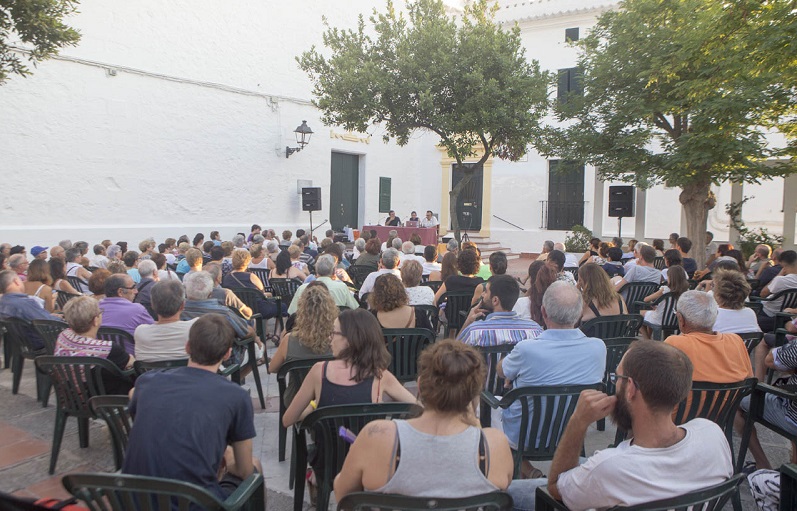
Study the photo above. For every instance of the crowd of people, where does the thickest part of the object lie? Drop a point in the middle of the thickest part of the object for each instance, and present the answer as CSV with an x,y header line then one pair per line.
x,y
178,300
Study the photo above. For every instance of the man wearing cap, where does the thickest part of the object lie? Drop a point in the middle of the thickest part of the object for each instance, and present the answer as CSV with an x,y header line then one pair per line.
x,y
39,252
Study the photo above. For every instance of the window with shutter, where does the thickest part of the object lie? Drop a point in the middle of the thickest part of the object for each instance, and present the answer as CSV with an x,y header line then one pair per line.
x,y
384,194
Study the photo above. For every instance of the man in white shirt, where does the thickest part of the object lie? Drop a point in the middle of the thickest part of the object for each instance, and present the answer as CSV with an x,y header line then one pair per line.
x,y
429,220
387,264
570,259
786,279
662,460
408,253
99,260
166,338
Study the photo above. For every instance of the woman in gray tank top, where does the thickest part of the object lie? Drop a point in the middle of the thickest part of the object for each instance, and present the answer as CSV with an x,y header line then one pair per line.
x,y
443,453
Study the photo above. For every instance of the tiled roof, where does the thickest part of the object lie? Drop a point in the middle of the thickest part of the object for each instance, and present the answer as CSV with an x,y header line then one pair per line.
x,y
524,10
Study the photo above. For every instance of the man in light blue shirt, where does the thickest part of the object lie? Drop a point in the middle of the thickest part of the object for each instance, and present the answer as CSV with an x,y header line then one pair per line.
x,y
561,355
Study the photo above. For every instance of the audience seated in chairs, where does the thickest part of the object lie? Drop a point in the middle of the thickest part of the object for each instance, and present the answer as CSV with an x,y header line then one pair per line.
x,y
118,309
663,459
430,263
325,272
677,284
439,449
786,279
545,276
15,303
371,255
522,305
684,245
58,273
83,315
149,276
769,273
390,305
561,355
166,338
492,321
357,375
598,293
468,264
260,258
614,262
74,269
556,260
284,268
164,271
97,283
448,268
731,290
411,278
336,250
388,263
190,424
239,277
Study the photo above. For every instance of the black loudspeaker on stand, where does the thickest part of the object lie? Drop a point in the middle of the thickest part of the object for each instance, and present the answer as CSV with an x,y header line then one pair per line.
x,y
311,201
621,204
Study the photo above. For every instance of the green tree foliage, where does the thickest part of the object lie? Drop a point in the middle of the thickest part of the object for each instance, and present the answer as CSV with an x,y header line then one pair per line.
x,y
669,98
38,25
464,79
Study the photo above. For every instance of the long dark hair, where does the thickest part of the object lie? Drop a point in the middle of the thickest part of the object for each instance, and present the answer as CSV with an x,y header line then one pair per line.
x,y
283,263
545,277
366,352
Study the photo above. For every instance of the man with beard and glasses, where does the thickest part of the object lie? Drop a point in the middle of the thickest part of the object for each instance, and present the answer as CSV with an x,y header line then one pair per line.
x,y
661,461
500,324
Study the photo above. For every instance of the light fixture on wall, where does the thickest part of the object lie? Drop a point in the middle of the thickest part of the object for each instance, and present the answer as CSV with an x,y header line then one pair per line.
x,y
303,133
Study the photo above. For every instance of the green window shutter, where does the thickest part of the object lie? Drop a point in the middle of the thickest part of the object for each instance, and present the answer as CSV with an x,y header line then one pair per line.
x,y
384,194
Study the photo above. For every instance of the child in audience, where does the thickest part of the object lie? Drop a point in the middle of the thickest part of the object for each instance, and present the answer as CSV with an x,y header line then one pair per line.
x,y
614,266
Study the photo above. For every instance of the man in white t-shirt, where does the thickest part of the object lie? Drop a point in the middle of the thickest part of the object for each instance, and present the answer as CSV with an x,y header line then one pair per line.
x,y
642,271
166,338
786,279
571,261
661,461
100,260
429,220
388,263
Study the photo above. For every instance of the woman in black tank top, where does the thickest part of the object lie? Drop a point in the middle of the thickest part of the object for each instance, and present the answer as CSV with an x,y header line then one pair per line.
x,y
600,297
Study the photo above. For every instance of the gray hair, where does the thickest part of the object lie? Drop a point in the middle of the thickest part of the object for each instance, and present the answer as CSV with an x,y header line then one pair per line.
x,y
167,297
452,246
390,258
6,279
238,241
359,244
198,285
72,255
258,238
408,247
548,244
698,309
563,304
325,265
16,260
272,246
65,244
146,268
397,243
559,246
215,271
392,232
112,251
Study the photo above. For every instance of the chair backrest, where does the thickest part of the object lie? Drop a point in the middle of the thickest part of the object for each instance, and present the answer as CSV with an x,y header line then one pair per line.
x,y
615,349
49,329
712,498
297,371
19,335
117,336
455,303
669,322
285,289
434,284
114,411
612,327
658,262
76,380
366,501
61,297
432,314
751,339
788,486
545,412
788,296
636,292
142,367
122,492
358,273
250,297
262,274
494,384
78,283
405,346
573,270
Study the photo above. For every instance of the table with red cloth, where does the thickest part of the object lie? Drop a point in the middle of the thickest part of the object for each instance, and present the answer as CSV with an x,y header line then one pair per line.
x,y
428,234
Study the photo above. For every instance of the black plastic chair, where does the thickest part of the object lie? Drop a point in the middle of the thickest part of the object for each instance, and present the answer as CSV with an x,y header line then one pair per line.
x,y
669,322
76,380
615,350
712,498
493,384
118,336
297,371
49,330
545,412
612,327
249,344
788,487
262,274
634,292
358,273
140,366
658,263
788,299
326,422
17,336
114,411
252,298
285,289
61,297
434,284
456,302
432,314
366,501
122,492
755,415
78,283
751,340
405,346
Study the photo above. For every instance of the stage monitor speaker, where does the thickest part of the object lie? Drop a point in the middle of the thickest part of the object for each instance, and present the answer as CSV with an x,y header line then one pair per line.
x,y
311,199
621,201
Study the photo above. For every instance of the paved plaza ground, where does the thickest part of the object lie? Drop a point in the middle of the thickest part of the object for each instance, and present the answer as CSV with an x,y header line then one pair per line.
x,y
26,431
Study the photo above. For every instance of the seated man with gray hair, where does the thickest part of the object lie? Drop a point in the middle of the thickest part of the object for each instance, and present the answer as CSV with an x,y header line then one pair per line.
x,y
325,269
166,338
408,253
359,247
149,276
388,263
560,355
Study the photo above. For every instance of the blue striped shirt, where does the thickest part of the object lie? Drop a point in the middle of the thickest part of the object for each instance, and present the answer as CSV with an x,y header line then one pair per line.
x,y
499,328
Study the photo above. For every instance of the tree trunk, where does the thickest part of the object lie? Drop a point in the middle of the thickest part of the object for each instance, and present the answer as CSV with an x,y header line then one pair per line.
x,y
697,200
453,198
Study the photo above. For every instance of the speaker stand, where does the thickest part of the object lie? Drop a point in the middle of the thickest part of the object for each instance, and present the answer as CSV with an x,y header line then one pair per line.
x,y
619,227
311,225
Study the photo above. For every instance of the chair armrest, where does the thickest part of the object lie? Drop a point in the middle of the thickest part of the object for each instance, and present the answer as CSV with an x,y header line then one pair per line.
x,y
245,341
244,492
128,372
789,392
643,305
756,298
490,399
226,371
545,502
